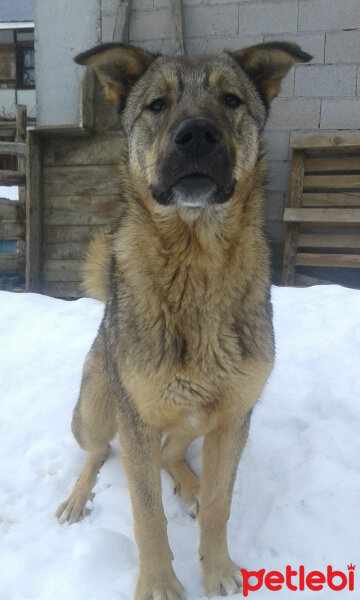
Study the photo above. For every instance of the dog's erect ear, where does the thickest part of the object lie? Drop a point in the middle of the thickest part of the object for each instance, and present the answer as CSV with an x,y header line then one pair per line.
x,y
118,67
266,64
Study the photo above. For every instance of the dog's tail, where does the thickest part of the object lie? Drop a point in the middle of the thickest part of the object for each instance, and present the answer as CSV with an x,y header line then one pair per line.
x,y
96,266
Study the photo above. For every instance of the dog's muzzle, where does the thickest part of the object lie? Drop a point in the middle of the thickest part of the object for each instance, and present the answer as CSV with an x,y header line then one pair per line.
x,y
197,172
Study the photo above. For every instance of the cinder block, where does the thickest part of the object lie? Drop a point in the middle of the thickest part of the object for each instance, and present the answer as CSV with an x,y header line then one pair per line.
x,y
107,26
221,2
324,15
278,177
149,25
269,17
295,113
207,21
342,47
142,4
218,44
326,80
165,3
274,205
166,47
276,144
287,85
108,6
313,43
195,46
275,231
340,113
155,46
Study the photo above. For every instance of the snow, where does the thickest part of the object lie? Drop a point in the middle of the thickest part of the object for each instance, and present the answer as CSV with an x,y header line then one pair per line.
x,y
297,494
11,192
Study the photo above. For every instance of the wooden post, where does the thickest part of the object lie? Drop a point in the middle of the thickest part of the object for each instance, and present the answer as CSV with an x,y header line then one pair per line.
x,y
87,91
21,123
33,213
177,37
292,230
20,137
121,26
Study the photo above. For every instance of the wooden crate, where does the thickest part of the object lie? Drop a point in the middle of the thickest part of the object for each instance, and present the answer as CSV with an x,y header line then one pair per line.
x,y
323,212
74,192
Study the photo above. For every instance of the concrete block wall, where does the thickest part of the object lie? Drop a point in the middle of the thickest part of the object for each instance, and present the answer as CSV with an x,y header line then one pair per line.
x,y
322,95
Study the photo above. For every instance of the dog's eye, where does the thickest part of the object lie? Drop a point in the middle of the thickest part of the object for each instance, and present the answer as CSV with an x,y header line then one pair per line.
x,y
157,105
232,100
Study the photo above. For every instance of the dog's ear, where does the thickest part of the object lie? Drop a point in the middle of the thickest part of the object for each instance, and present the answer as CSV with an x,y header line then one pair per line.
x,y
267,64
118,67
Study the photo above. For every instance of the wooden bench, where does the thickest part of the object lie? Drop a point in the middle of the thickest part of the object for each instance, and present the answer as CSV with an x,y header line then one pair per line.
x,y
323,212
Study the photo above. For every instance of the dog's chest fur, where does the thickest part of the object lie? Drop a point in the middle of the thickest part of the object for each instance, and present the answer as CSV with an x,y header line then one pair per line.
x,y
186,320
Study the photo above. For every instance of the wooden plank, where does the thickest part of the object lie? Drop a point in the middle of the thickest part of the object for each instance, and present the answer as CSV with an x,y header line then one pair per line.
x,y
65,233
12,177
62,289
327,182
328,240
65,250
62,270
99,96
107,118
306,280
59,217
12,231
12,148
339,216
21,123
292,230
61,130
81,210
103,149
12,263
328,163
331,199
12,211
177,26
87,108
33,213
335,139
328,260
20,134
93,180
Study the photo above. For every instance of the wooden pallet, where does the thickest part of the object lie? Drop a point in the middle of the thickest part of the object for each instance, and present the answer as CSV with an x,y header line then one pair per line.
x,y
12,213
323,213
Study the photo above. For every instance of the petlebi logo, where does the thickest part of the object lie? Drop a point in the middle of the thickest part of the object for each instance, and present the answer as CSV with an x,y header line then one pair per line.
x,y
299,580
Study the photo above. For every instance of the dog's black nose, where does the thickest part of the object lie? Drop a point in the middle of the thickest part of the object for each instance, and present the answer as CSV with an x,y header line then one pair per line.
x,y
196,137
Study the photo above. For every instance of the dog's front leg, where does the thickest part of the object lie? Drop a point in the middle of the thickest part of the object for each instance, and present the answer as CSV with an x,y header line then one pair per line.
x,y
140,452
221,452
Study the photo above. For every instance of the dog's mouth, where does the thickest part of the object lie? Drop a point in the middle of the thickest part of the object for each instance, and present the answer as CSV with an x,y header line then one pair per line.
x,y
194,191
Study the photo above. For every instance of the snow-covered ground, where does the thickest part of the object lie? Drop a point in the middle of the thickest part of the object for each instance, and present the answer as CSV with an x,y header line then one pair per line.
x,y
297,494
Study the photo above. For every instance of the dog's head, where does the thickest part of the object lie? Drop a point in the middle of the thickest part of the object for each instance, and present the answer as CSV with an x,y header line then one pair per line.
x,y
193,124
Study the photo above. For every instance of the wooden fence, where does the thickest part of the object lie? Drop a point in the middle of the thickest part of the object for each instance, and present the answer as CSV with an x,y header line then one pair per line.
x,y
12,212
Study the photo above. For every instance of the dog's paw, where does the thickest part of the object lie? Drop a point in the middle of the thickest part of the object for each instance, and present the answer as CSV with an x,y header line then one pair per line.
x,y
190,498
193,507
73,509
159,588
223,581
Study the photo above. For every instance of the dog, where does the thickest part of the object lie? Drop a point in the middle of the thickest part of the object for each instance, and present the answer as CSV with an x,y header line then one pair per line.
x,y
186,344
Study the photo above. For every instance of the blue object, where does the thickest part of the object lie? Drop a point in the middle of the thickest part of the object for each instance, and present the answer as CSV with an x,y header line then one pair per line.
x,y
8,246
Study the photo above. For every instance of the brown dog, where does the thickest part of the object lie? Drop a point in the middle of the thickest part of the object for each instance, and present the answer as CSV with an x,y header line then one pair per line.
x,y
186,344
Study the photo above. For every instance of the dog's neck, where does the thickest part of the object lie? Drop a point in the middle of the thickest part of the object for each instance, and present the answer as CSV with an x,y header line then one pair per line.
x,y
182,260
189,235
